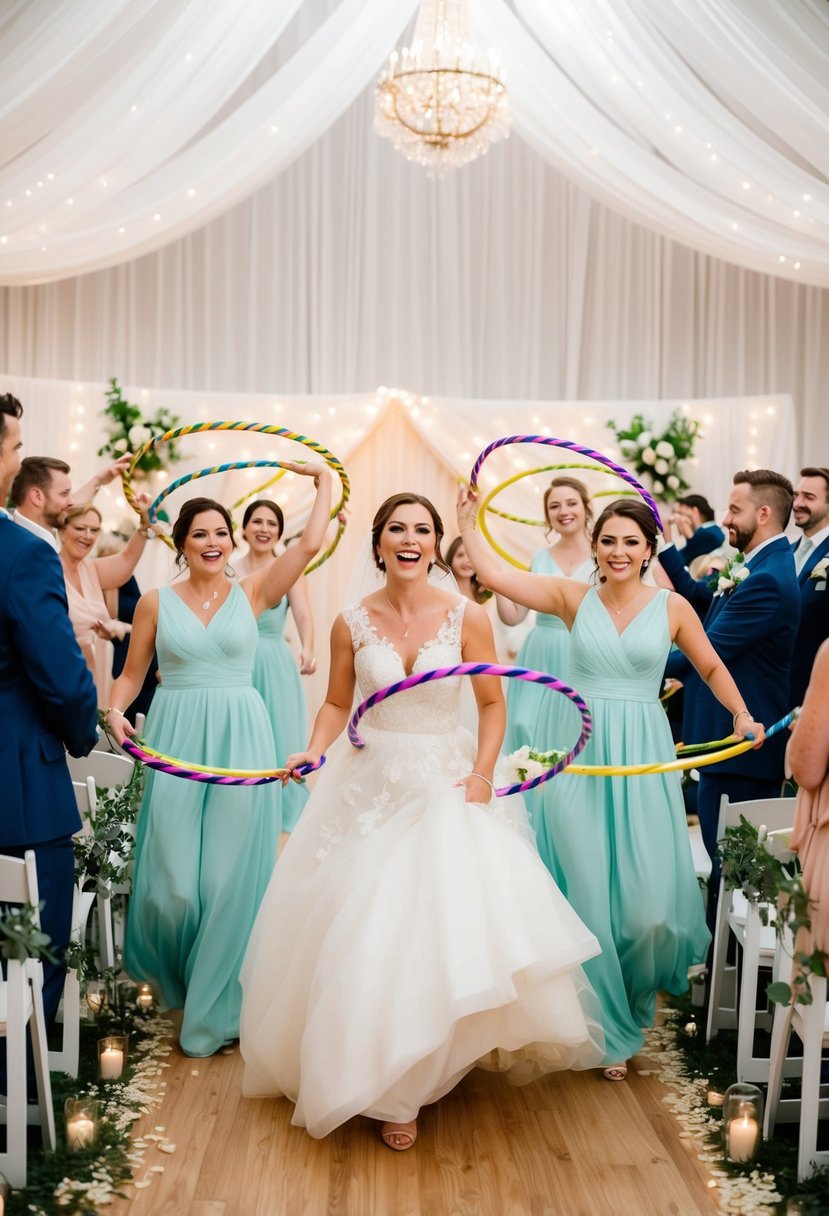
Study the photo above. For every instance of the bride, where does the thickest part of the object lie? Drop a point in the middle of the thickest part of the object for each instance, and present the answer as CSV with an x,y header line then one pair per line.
x,y
410,931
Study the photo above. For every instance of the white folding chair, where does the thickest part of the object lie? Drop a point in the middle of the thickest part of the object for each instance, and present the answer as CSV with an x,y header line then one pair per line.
x,y
108,768
21,1006
811,1023
732,1004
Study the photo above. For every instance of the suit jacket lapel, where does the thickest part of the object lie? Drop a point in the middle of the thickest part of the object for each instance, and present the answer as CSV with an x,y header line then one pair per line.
x,y
812,560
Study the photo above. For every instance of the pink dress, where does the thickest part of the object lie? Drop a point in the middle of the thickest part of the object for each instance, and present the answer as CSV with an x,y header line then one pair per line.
x,y
810,840
85,608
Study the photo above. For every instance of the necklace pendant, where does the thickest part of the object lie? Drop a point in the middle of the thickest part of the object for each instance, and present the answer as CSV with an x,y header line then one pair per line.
x,y
209,603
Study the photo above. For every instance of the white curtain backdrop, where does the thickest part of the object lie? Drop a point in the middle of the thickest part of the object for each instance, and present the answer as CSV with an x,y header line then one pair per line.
x,y
705,121
389,441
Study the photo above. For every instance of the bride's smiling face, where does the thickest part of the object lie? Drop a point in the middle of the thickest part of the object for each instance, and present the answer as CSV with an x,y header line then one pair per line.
x,y
407,542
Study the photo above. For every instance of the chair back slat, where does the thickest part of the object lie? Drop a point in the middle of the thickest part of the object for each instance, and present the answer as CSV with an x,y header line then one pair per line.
x,y
18,879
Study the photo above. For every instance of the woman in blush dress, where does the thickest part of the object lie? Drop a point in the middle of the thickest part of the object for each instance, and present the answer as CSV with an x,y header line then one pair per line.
x,y
807,759
618,846
87,578
276,675
411,931
205,853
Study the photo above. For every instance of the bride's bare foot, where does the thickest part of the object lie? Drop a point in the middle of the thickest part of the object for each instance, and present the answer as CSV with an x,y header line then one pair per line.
x,y
399,1136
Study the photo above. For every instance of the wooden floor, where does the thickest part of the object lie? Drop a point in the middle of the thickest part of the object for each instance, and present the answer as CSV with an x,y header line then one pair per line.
x,y
570,1145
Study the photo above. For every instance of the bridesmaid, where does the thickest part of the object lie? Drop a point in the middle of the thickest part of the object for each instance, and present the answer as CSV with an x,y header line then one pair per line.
x,y
619,845
275,673
205,853
568,511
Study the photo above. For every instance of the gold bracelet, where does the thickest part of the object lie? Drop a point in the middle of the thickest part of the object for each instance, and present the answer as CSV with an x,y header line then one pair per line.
x,y
739,714
113,709
468,528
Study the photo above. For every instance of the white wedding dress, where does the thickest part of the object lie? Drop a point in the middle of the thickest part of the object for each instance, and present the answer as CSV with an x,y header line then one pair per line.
x,y
406,935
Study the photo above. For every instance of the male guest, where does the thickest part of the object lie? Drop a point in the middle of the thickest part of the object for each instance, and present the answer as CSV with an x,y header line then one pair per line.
x,y
41,493
47,699
693,518
811,557
752,626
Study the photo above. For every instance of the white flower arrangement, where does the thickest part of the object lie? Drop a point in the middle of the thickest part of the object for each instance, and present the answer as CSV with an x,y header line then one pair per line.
x,y
736,571
658,457
526,763
820,570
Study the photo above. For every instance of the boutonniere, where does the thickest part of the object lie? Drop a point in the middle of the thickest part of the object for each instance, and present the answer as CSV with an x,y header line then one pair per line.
x,y
820,570
736,571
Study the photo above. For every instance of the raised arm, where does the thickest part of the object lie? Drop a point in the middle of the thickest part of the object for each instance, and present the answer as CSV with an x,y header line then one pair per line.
x,y
692,640
303,618
266,587
128,685
334,712
118,568
478,646
108,473
807,756
556,596
508,611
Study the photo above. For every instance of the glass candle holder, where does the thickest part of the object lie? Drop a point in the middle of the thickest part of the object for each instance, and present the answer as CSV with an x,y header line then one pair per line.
x,y
112,1056
742,1121
145,999
95,995
81,1116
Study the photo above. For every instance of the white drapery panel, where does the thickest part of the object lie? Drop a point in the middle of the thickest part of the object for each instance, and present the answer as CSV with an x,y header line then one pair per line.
x,y
389,441
706,121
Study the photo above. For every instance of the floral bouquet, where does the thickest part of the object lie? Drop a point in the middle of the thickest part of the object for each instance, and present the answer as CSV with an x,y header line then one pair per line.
x,y
128,430
526,763
658,457
820,570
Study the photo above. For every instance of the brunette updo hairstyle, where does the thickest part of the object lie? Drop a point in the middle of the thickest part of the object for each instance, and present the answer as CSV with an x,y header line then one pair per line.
x,y
271,506
480,593
571,483
636,511
388,508
182,526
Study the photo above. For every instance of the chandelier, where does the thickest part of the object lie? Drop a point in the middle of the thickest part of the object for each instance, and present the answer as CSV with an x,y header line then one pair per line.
x,y
442,101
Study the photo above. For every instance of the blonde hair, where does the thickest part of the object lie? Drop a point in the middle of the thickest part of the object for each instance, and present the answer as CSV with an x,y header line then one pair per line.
x,y
81,509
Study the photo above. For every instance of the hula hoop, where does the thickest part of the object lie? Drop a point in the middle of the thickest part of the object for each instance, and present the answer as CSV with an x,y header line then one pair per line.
x,y
337,511
486,669
571,446
266,485
209,776
216,468
485,505
676,766
546,468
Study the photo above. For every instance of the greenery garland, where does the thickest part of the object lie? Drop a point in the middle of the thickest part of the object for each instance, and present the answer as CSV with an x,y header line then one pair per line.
x,y
21,936
749,866
129,429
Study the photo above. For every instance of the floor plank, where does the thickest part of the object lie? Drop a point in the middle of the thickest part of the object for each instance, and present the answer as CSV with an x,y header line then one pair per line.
x,y
570,1144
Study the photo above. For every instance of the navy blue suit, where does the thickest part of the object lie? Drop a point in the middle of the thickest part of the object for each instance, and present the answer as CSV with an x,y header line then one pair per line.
x,y
814,622
706,539
753,629
47,700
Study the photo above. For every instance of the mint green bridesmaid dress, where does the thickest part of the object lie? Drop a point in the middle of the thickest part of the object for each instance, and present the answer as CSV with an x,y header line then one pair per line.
x,y
618,847
204,853
535,716
276,677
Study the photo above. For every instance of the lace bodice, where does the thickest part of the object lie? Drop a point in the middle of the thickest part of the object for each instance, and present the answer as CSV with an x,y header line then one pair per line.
x,y
432,708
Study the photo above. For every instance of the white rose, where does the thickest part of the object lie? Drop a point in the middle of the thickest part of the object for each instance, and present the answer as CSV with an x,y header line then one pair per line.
x,y
663,448
723,583
139,434
658,487
661,466
741,573
673,482
120,445
629,447
649,456
644,439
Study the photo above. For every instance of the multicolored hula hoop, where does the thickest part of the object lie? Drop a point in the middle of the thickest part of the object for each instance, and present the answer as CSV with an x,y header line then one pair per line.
x,y
216,468
570,446
486,669
485,505
209,776
337,511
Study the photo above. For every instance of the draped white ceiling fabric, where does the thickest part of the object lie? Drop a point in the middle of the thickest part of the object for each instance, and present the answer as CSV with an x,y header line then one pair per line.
x,y
125,126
